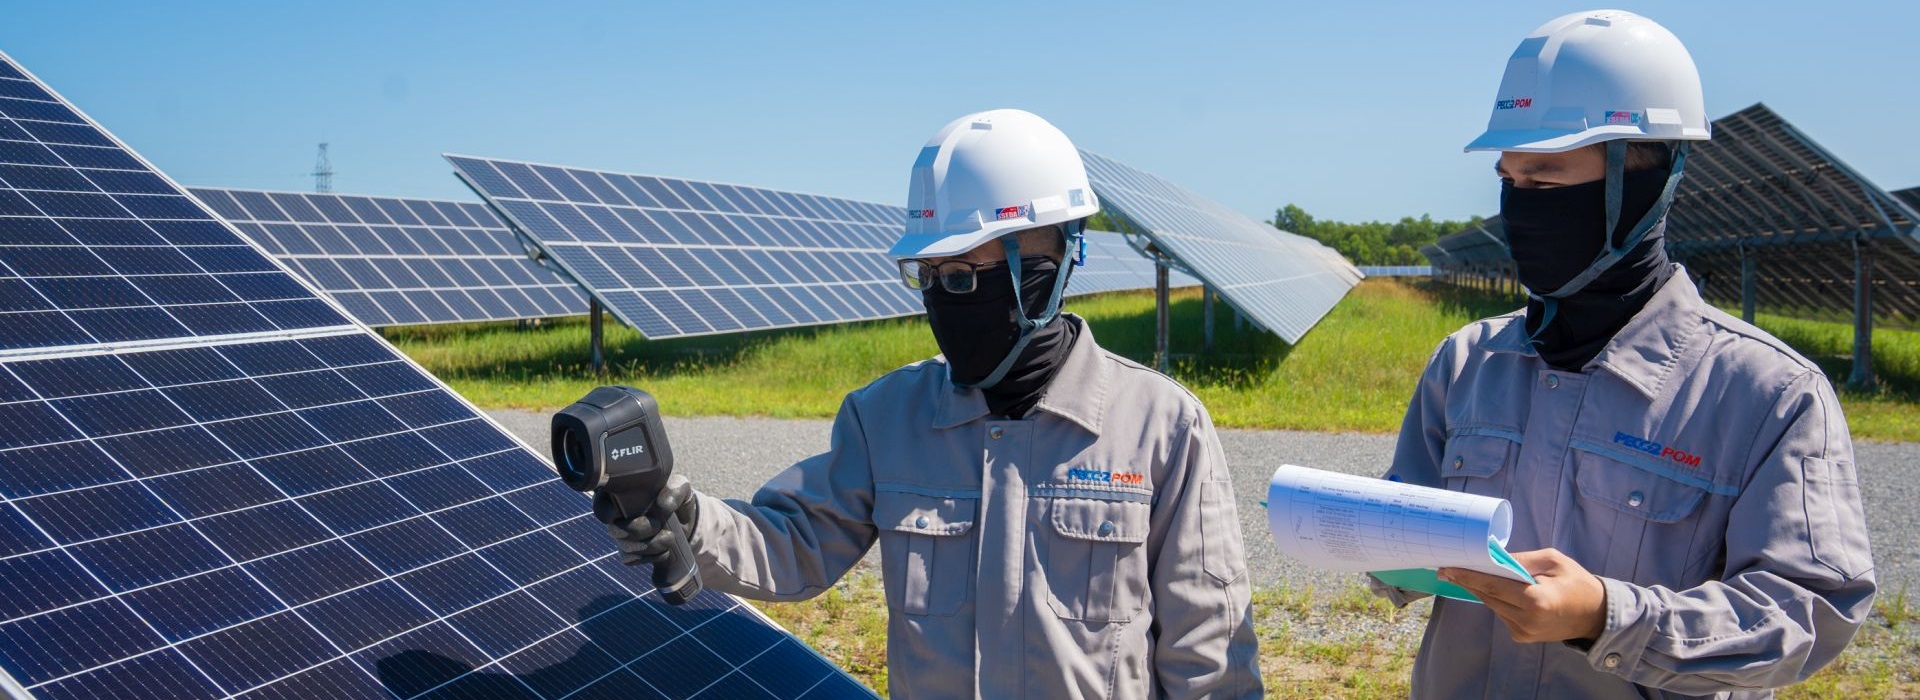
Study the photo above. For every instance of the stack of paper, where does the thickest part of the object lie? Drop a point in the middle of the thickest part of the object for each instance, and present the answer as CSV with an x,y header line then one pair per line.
x,y
1398,532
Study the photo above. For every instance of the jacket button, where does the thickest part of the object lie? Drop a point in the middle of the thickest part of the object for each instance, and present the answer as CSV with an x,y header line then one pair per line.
x,y
1635,499
1611,661
920,521
1106,528
1459,462
995,432
1553,381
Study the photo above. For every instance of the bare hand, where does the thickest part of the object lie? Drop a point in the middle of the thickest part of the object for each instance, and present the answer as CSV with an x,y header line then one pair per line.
x,y
1567,603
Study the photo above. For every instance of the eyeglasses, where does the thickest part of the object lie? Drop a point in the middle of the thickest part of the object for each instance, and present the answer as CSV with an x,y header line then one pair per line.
x,y
957,276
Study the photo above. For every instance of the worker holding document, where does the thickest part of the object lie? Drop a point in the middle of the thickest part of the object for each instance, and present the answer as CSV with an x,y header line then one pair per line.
x,y
1681,485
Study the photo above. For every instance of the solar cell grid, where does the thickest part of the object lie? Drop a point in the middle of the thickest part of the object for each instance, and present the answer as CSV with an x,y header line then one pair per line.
x,y
676,257
254,497
401,261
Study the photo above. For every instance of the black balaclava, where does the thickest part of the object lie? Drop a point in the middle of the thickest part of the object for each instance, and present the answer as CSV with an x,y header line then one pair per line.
x,y
1555,233
976,330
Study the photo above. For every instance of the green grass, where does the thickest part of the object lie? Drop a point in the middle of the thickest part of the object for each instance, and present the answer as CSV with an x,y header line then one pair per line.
x,y
1353,372
1886,412
1339,645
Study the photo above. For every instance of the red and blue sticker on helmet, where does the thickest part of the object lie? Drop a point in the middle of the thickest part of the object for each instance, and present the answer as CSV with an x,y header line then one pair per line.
x,y
1005,213
1622,118
1515,103
920,213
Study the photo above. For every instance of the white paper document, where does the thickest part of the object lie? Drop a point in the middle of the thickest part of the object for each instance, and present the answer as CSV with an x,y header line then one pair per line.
x,y
1399,532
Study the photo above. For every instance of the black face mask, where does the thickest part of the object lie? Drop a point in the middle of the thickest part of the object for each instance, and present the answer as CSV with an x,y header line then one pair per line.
x,y
976,330
1554,234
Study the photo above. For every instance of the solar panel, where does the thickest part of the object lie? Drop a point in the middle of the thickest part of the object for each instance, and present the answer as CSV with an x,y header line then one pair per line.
x,y
1284,282
214,485
1397,270
1764,187
673,257
395,262
1113,265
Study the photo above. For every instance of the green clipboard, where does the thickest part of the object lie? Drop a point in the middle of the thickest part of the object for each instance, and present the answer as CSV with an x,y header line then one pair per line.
x,y
1428,580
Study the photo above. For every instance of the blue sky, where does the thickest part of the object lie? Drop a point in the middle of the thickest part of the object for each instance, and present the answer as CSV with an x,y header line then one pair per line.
x,y
1352,110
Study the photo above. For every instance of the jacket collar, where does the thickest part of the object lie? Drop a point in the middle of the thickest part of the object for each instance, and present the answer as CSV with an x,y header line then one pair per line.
x,y
1644,352
1077,393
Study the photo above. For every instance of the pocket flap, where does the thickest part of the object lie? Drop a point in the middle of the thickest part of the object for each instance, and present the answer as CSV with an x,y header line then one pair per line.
x,y
1630,489
924,514
1101,520
1478,456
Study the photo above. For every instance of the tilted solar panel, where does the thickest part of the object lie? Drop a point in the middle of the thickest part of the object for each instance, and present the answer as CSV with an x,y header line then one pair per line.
x,y
393,262
1112,265
1284,282
213,484
1762,190
674,257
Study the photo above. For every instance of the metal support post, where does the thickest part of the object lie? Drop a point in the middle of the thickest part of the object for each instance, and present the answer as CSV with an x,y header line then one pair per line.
x,y
596,352
1862,375
1206,307
1749,284
1161,313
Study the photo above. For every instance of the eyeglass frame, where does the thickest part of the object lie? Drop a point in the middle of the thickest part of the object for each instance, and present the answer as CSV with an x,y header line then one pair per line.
x,y
972,270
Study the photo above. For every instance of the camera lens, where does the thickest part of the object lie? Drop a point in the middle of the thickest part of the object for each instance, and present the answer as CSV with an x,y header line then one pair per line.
x,y
576,463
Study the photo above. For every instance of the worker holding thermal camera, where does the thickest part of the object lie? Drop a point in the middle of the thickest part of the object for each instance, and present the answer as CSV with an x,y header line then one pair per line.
x,y
1054,520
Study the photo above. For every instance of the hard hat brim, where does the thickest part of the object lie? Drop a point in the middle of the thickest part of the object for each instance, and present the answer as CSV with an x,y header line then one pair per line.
x,y
1562,140
942,245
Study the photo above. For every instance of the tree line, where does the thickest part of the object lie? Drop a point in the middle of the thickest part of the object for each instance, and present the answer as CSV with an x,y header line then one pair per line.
x,y
1370,242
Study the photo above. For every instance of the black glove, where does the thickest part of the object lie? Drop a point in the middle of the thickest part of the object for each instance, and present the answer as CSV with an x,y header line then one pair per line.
x,y
646,539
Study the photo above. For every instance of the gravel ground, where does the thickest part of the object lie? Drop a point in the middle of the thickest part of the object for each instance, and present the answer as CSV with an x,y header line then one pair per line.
x,y
731,457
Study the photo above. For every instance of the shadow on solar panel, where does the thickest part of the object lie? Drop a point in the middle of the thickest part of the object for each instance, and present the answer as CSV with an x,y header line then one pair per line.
x,y
673,257
214,484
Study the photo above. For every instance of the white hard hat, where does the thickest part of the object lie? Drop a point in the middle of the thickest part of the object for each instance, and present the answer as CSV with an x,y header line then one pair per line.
x,y
988,174
1596,76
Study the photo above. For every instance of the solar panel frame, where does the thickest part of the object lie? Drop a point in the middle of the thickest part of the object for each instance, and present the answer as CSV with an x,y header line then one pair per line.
x,y
686,269
410,243
68,394
1282,281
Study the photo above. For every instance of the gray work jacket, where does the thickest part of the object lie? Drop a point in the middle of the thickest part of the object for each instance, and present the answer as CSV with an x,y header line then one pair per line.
x,y
1697,465
1088,551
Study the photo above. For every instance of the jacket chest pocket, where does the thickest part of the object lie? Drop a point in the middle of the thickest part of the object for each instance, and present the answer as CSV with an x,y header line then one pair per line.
x,y
1477,464
1096,557
926,551
1635,524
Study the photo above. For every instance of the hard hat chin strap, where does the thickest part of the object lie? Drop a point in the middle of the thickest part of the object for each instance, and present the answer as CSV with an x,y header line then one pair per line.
x,y
1612,254
1074,230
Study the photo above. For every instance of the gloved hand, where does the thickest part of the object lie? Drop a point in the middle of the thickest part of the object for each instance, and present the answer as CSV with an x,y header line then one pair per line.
x,y
645,540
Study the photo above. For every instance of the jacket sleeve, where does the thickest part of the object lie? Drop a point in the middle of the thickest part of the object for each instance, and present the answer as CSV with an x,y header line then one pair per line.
x,y
1204,645
1423,441
1798,579
803,529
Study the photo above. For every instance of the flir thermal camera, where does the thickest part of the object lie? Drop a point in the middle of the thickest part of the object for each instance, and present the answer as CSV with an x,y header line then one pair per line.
x,y
613,443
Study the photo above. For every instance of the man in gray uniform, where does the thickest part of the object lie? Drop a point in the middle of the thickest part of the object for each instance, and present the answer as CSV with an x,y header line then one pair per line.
x,y
1684,481
1054,520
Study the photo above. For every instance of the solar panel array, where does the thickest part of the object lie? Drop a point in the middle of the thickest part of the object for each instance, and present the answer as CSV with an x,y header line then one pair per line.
x,y
673,257
393,262
1397,270
1762,186
1283,281
1479,249
213,484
